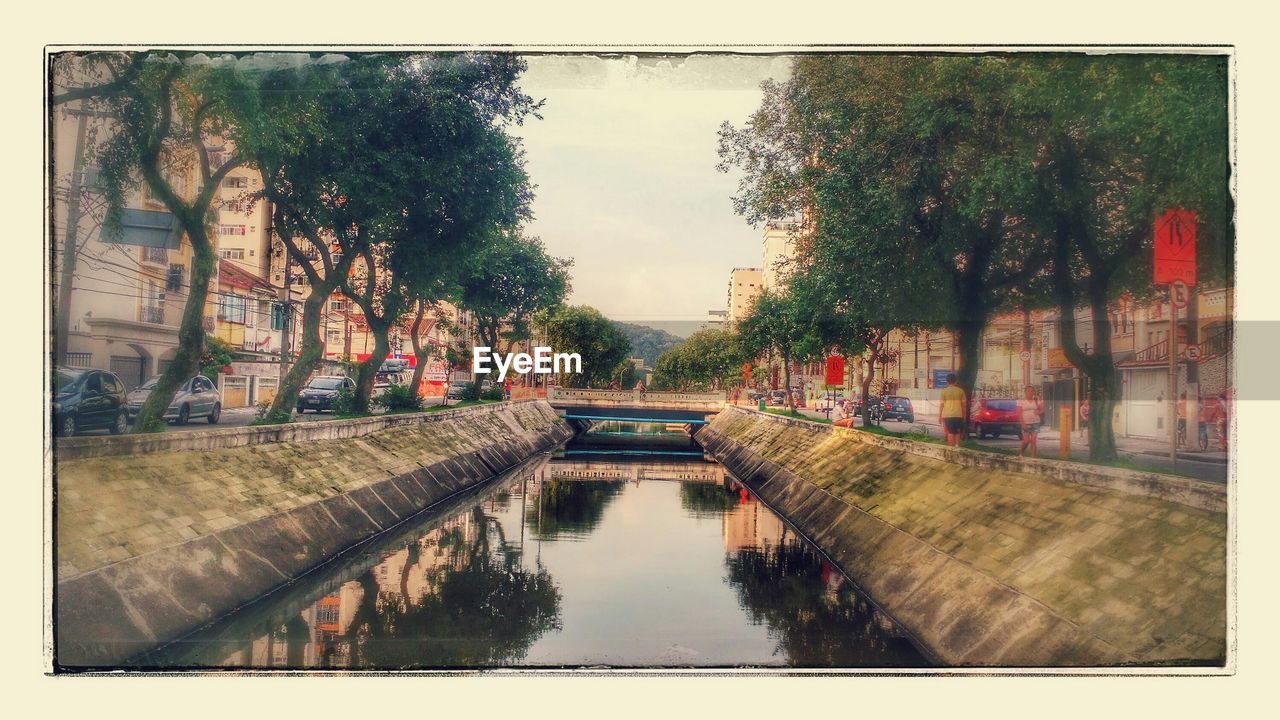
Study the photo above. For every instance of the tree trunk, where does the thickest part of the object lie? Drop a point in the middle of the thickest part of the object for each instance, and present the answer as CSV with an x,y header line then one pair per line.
x,y
186,361
969,340
1101,371
367,371
309,355
420,349
786,381
867,377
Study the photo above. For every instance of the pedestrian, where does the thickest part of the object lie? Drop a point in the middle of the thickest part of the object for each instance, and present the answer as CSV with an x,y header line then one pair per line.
x,y
951,411
1181,412
1084,418
1030,408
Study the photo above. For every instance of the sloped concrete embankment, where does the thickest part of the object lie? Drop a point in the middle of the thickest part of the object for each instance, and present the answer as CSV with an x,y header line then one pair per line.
x,y
152,546
999,561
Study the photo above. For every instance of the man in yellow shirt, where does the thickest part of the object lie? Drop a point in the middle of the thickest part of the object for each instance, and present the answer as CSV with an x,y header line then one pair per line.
x,y
951,411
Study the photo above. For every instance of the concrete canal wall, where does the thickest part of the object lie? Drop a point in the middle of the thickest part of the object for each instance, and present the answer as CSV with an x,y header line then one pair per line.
x,y
998,561
156,536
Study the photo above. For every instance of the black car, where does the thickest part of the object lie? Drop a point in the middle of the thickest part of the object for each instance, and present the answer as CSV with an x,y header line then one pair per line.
x,y
86,400
320,393
897,407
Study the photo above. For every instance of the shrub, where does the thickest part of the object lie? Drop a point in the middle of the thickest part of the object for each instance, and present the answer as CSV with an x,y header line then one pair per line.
x,y
493,393
345,403
399,397
472,392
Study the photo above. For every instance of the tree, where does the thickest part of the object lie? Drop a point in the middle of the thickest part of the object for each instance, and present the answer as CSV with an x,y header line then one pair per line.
x,y
710,358
582,329
914,160
169,117
382,190
509,281
774,324
1122,138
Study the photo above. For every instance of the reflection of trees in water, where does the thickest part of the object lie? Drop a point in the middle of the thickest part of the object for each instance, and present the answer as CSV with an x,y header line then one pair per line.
x,y
482,609
703,500
570,506
783,587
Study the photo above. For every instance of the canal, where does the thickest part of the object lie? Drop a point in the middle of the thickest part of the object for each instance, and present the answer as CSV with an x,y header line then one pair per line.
x,y
604,554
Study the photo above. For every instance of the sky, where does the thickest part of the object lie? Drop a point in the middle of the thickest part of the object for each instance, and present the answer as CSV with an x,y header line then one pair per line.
x,y
624,163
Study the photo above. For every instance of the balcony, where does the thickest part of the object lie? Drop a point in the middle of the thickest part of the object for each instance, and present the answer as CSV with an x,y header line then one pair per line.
x,y
151,314
155,256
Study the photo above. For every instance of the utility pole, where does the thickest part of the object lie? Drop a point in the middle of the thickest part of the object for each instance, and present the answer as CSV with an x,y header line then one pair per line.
x,y
62,313
285,338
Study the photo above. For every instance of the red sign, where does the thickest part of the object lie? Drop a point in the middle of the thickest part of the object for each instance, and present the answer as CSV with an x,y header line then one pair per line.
x,y
746,371
835,370
1175,248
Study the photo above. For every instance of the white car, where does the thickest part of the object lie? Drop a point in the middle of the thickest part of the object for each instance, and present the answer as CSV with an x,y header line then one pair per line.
x,y
195,398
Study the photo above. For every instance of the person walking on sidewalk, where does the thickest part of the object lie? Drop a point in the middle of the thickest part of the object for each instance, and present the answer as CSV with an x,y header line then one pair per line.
x,y
1181,412
1084,418
1030,408
951,411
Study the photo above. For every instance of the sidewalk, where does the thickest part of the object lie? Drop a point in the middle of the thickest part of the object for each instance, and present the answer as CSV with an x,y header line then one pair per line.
x,y
1154,455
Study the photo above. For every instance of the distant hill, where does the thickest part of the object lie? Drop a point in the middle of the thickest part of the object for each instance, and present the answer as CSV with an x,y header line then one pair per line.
x,y
647,342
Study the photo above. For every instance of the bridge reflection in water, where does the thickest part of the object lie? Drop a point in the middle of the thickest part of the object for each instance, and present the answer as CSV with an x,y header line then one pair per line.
x,y
580,561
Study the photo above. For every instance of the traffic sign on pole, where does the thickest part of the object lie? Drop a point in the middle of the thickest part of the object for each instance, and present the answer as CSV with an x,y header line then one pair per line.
x,y
1193,353
1175,247
1025,355
1179,294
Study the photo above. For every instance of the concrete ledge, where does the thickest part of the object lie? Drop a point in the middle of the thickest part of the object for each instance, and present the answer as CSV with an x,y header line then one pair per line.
x,y
996,564
215,438
146,554
1201,494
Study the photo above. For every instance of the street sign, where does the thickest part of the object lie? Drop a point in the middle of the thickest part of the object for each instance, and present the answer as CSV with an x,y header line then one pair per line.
x,y
1025,355
1179,294
1175,247
746,371
835,370
1193,353
940,377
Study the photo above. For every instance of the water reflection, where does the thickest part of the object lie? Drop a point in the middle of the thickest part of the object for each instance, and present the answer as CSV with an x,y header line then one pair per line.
x,y
574,563
456,597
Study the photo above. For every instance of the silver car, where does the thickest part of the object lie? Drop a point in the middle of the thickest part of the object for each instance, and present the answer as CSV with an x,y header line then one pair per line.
x,y
196,398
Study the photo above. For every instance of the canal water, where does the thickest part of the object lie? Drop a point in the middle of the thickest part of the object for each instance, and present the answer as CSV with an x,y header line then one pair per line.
x,y
579,560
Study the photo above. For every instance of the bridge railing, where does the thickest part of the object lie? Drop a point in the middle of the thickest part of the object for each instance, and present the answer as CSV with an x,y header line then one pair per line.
x,y
632,396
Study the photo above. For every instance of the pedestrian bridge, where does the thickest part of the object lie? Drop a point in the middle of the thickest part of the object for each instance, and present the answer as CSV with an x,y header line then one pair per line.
x,y
635,405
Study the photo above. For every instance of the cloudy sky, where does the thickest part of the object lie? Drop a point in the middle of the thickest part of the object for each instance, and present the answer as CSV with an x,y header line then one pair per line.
x,y
624,162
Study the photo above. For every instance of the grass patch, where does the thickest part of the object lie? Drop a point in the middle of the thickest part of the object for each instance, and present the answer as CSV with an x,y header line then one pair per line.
x,y
795,415
460,404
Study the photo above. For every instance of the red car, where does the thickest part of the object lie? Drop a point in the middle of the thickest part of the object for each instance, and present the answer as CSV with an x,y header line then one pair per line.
x,y
995,417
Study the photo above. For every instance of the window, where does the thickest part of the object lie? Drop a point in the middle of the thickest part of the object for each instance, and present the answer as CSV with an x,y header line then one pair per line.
x,y
277,316
333,336
231,308
174,280
235,182
336,305
231,230
233,254
111,385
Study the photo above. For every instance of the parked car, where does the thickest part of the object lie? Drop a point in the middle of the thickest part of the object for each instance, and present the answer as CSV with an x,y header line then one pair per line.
x,y
87,399
995,417
778,398
755,395
897,407
320,393
829,401
195,398
458,389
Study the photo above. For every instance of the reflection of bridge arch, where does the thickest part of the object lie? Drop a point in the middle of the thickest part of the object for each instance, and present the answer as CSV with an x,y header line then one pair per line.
x,y
700,472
